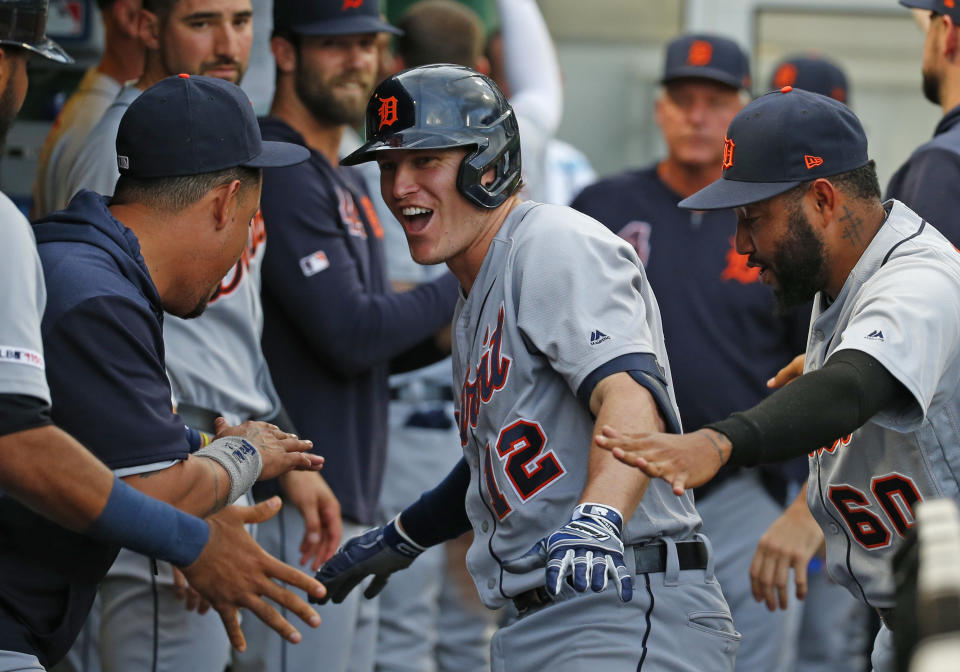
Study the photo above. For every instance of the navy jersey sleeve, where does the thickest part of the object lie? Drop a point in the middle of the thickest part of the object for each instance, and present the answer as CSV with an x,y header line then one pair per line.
x,y
312,274
108,383
927,184
596,202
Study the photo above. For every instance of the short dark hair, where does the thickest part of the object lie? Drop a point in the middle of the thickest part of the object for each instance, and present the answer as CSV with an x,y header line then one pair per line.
x,y
860,183
161,8
440,31
173,194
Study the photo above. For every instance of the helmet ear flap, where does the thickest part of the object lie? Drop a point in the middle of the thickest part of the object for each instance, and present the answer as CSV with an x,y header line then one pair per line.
x,y
504,158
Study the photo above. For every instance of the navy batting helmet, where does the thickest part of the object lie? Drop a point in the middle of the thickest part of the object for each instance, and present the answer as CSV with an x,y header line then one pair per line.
x,y
441,107
23,23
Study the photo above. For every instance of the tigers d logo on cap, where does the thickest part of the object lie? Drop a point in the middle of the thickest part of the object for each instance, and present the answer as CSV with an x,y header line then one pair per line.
x,y
700,53
387,111
728,146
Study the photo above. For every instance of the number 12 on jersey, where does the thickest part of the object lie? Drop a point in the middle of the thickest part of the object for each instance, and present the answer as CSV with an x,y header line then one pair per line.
x,y
528,466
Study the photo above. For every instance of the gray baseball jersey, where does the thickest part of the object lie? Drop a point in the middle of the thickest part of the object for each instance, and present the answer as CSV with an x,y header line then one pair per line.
x,y
558,303
23,296
900,305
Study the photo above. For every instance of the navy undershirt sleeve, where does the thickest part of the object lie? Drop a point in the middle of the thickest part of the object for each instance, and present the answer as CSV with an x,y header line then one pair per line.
x,y
20,412
812,411
645,370
440,514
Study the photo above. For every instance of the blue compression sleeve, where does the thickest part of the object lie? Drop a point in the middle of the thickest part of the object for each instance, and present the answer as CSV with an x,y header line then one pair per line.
x,y
440,515
146,525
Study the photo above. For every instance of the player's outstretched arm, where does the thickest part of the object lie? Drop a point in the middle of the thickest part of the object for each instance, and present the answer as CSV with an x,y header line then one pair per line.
x,y
233,572
438,516
221,472
789,543
590,546
682,460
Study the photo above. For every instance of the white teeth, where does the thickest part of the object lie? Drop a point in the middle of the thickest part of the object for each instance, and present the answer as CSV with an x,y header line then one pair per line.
x,y
410,212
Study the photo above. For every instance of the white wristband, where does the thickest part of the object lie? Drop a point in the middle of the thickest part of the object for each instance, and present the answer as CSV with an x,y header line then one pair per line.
x,y
241,460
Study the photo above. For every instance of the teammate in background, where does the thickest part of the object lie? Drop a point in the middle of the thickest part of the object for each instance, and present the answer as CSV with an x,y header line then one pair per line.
x,y
54,475
332,324
811,72
565,169
532,74
536,356
122,61
433,619
718,320
197,37
927,181
875,409
835,631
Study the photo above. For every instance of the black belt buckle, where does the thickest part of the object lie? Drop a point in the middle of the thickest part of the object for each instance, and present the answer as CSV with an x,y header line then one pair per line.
x,y
531,599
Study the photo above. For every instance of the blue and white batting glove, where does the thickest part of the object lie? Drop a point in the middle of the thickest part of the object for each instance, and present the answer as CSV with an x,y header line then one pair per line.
x,y
380,552
589,547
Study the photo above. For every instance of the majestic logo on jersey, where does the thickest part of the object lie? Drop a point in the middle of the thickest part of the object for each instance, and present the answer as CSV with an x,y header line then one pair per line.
x,y
812,161
598,337
875,335
637,233
314,263
701,52
489,376
786,75
842,442
728,146
351,4
737,268
256,238
387,111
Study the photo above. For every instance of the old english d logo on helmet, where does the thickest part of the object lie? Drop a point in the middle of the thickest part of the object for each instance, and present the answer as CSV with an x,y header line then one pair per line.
x,y
700,52
387,111
351,4
728,146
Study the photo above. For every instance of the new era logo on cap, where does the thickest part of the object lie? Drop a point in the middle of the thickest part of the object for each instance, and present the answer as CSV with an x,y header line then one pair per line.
x,y
812,161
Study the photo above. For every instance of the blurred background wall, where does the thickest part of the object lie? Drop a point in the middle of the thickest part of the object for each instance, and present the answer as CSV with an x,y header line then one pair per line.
x,y
611,55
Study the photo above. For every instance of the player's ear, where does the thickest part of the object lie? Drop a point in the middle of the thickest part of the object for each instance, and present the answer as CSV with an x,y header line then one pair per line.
x,y
148,28
224,203
823,197
950,36
126,14
284,54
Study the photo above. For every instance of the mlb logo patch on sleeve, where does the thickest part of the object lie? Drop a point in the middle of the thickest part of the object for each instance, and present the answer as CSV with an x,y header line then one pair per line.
x,y
314,263
15,355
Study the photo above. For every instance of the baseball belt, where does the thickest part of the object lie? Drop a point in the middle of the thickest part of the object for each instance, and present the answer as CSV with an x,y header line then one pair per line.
x,y
650,559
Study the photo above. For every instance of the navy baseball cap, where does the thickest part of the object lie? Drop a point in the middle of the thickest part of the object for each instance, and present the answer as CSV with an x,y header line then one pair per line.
x,y
778,141
330,17
949,7
703,56
188,125
811,73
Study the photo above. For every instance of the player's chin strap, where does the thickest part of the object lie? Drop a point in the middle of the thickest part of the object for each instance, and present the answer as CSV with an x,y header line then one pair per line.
x,y
589,549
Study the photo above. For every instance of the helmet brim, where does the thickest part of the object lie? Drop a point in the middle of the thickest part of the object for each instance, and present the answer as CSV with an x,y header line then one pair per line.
x,y
46,48
413,140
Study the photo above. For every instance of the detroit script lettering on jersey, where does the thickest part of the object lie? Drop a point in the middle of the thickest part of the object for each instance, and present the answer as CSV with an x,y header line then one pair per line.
x,y
258,234
489,376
